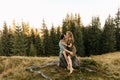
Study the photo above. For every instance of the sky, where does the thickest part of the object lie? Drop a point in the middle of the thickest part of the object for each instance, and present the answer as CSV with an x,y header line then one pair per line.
x,y
54,11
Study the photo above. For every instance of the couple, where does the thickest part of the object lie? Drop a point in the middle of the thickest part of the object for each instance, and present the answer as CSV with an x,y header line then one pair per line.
x,y
67,55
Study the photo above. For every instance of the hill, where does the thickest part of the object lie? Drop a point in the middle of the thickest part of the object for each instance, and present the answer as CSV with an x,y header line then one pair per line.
x,y
101,67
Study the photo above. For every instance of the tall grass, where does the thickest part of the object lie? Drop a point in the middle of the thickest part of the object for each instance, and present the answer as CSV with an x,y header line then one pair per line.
x,y
107,67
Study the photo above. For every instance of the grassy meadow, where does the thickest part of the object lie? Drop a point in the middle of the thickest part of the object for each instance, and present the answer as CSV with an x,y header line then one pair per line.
x,y
104,67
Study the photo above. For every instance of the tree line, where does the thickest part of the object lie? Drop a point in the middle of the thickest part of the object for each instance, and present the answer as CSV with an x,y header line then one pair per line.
x,y
93,39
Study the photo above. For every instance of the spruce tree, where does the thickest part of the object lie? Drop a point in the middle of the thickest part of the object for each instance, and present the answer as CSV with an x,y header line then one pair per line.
x,y
53,41
5,41
64,27
108,36
19,46
32,36
79,37
79,42
117,30
58,33
72,27
0,43
10,42
33,51
26,37
13,27
94,36
46,39
46,42
85,31
38,45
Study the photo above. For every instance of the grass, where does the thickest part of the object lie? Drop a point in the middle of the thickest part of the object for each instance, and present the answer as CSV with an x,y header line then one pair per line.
x,y
106,67
14,67
110,64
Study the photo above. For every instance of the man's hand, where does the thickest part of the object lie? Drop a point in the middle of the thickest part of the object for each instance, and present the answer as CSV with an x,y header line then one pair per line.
x,y
70,45
71,53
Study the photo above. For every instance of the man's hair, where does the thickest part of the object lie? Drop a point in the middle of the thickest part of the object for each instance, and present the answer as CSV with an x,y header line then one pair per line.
x,y
62,36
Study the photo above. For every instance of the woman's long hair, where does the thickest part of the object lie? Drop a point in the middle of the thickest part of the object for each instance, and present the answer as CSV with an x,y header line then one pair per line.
x,y
71,35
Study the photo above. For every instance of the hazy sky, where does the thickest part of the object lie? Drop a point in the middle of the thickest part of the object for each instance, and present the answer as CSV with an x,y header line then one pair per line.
x,y
53,11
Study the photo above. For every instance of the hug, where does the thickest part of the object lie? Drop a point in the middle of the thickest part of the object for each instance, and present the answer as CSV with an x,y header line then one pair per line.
x,y
67,55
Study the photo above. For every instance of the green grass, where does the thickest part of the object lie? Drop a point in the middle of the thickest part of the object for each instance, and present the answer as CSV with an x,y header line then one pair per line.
x,y
104,67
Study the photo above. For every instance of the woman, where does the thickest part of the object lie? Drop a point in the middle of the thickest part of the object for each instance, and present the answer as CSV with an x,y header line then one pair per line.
x,y
70,47
62,45
70,41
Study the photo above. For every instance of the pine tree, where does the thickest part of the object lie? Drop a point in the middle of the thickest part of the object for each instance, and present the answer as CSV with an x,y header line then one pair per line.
x,y
11,41
79,36
117,30
46,42
108,36
5,41
64,27
0,43
94,37
19,46
58,33
38,45
58,39
79,42
32,36
33,50
72,27
13,28
46,39
85,31
26,37
53,41
33,43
